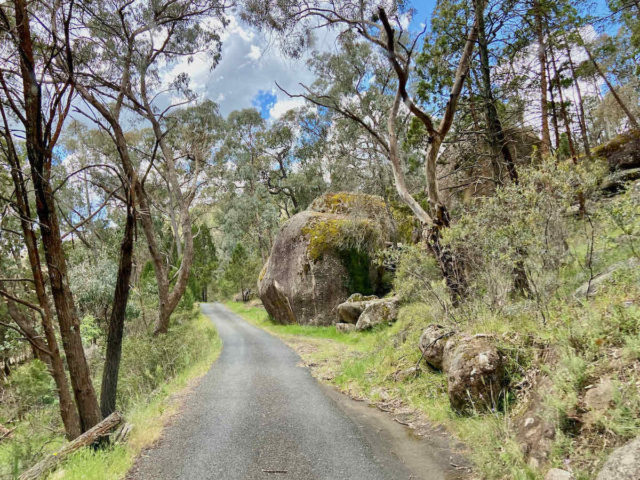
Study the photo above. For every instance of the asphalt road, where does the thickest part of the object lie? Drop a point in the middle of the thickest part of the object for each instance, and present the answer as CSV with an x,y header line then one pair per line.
x,y
257,415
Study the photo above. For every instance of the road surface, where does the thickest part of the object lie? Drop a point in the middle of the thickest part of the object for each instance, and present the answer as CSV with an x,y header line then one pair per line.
x,y
258,415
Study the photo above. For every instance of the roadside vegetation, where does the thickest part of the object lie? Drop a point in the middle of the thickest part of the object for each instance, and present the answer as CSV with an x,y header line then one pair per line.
x,y
152,378
556,333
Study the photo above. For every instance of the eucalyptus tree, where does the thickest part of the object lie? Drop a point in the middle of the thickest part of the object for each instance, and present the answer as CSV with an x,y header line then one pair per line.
x,y
383,30
123,50
250,215
37,88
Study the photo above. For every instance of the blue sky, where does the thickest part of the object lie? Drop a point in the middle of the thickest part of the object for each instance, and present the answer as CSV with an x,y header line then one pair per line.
x,y
264,102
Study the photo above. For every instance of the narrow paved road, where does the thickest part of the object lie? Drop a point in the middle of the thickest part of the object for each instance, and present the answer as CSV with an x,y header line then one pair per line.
x,y
257,415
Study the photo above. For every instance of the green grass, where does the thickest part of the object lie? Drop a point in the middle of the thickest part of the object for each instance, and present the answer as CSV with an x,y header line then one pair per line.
x,y
259,317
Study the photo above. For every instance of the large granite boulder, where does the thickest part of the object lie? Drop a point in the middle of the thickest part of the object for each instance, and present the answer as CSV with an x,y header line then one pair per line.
x,y
322,255
623,463
475,373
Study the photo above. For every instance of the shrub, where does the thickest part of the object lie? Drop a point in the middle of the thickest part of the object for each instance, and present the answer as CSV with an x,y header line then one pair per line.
x,y
33,385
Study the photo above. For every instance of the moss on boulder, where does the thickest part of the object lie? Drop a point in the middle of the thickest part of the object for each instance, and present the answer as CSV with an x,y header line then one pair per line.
x,y
621,152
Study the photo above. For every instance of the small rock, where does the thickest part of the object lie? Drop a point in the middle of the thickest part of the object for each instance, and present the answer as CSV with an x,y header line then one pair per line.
x,y
402,375
599,397
475,373
432,342
376,312
558,474
345,327
623,463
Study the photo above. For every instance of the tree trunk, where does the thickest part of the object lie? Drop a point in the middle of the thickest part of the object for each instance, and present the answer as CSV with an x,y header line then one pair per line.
x,y
554,110
563,108
39,155
545,144
497,137
170,299
84,393
632,119
68,411
450,266
581,115
118,312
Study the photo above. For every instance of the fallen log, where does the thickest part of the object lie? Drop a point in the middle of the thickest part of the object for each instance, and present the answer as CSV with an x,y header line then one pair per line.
x,y
89,437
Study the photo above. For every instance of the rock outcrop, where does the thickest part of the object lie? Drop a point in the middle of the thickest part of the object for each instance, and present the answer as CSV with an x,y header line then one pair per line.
x,y
623,463
322,255
623,152
367,311
473,365
618,181
475,373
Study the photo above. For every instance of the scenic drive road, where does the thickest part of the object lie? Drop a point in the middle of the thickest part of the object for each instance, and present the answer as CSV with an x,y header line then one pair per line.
x,y
258,415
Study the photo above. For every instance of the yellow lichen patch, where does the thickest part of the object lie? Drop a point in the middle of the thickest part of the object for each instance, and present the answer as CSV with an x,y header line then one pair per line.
x,y
262,272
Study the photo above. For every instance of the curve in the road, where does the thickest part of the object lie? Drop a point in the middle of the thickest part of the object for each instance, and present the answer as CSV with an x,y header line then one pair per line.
x,y
257,415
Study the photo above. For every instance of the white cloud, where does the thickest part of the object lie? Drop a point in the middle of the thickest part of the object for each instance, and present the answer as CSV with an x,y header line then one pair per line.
x,y
254,52
283,106
250,62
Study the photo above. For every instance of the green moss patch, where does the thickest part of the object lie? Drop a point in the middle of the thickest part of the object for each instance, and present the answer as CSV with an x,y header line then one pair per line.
x,y
341,234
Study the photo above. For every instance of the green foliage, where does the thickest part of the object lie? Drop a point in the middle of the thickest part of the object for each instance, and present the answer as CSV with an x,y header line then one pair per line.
x,y
524,226
417,277
33,386
147,365
90,330
205,261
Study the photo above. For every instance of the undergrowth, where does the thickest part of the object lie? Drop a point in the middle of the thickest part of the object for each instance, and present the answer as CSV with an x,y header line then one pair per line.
x,y
153,372
552,331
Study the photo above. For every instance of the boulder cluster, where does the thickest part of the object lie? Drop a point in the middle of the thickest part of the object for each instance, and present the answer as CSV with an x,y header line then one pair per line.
x,y
473,365
362,312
